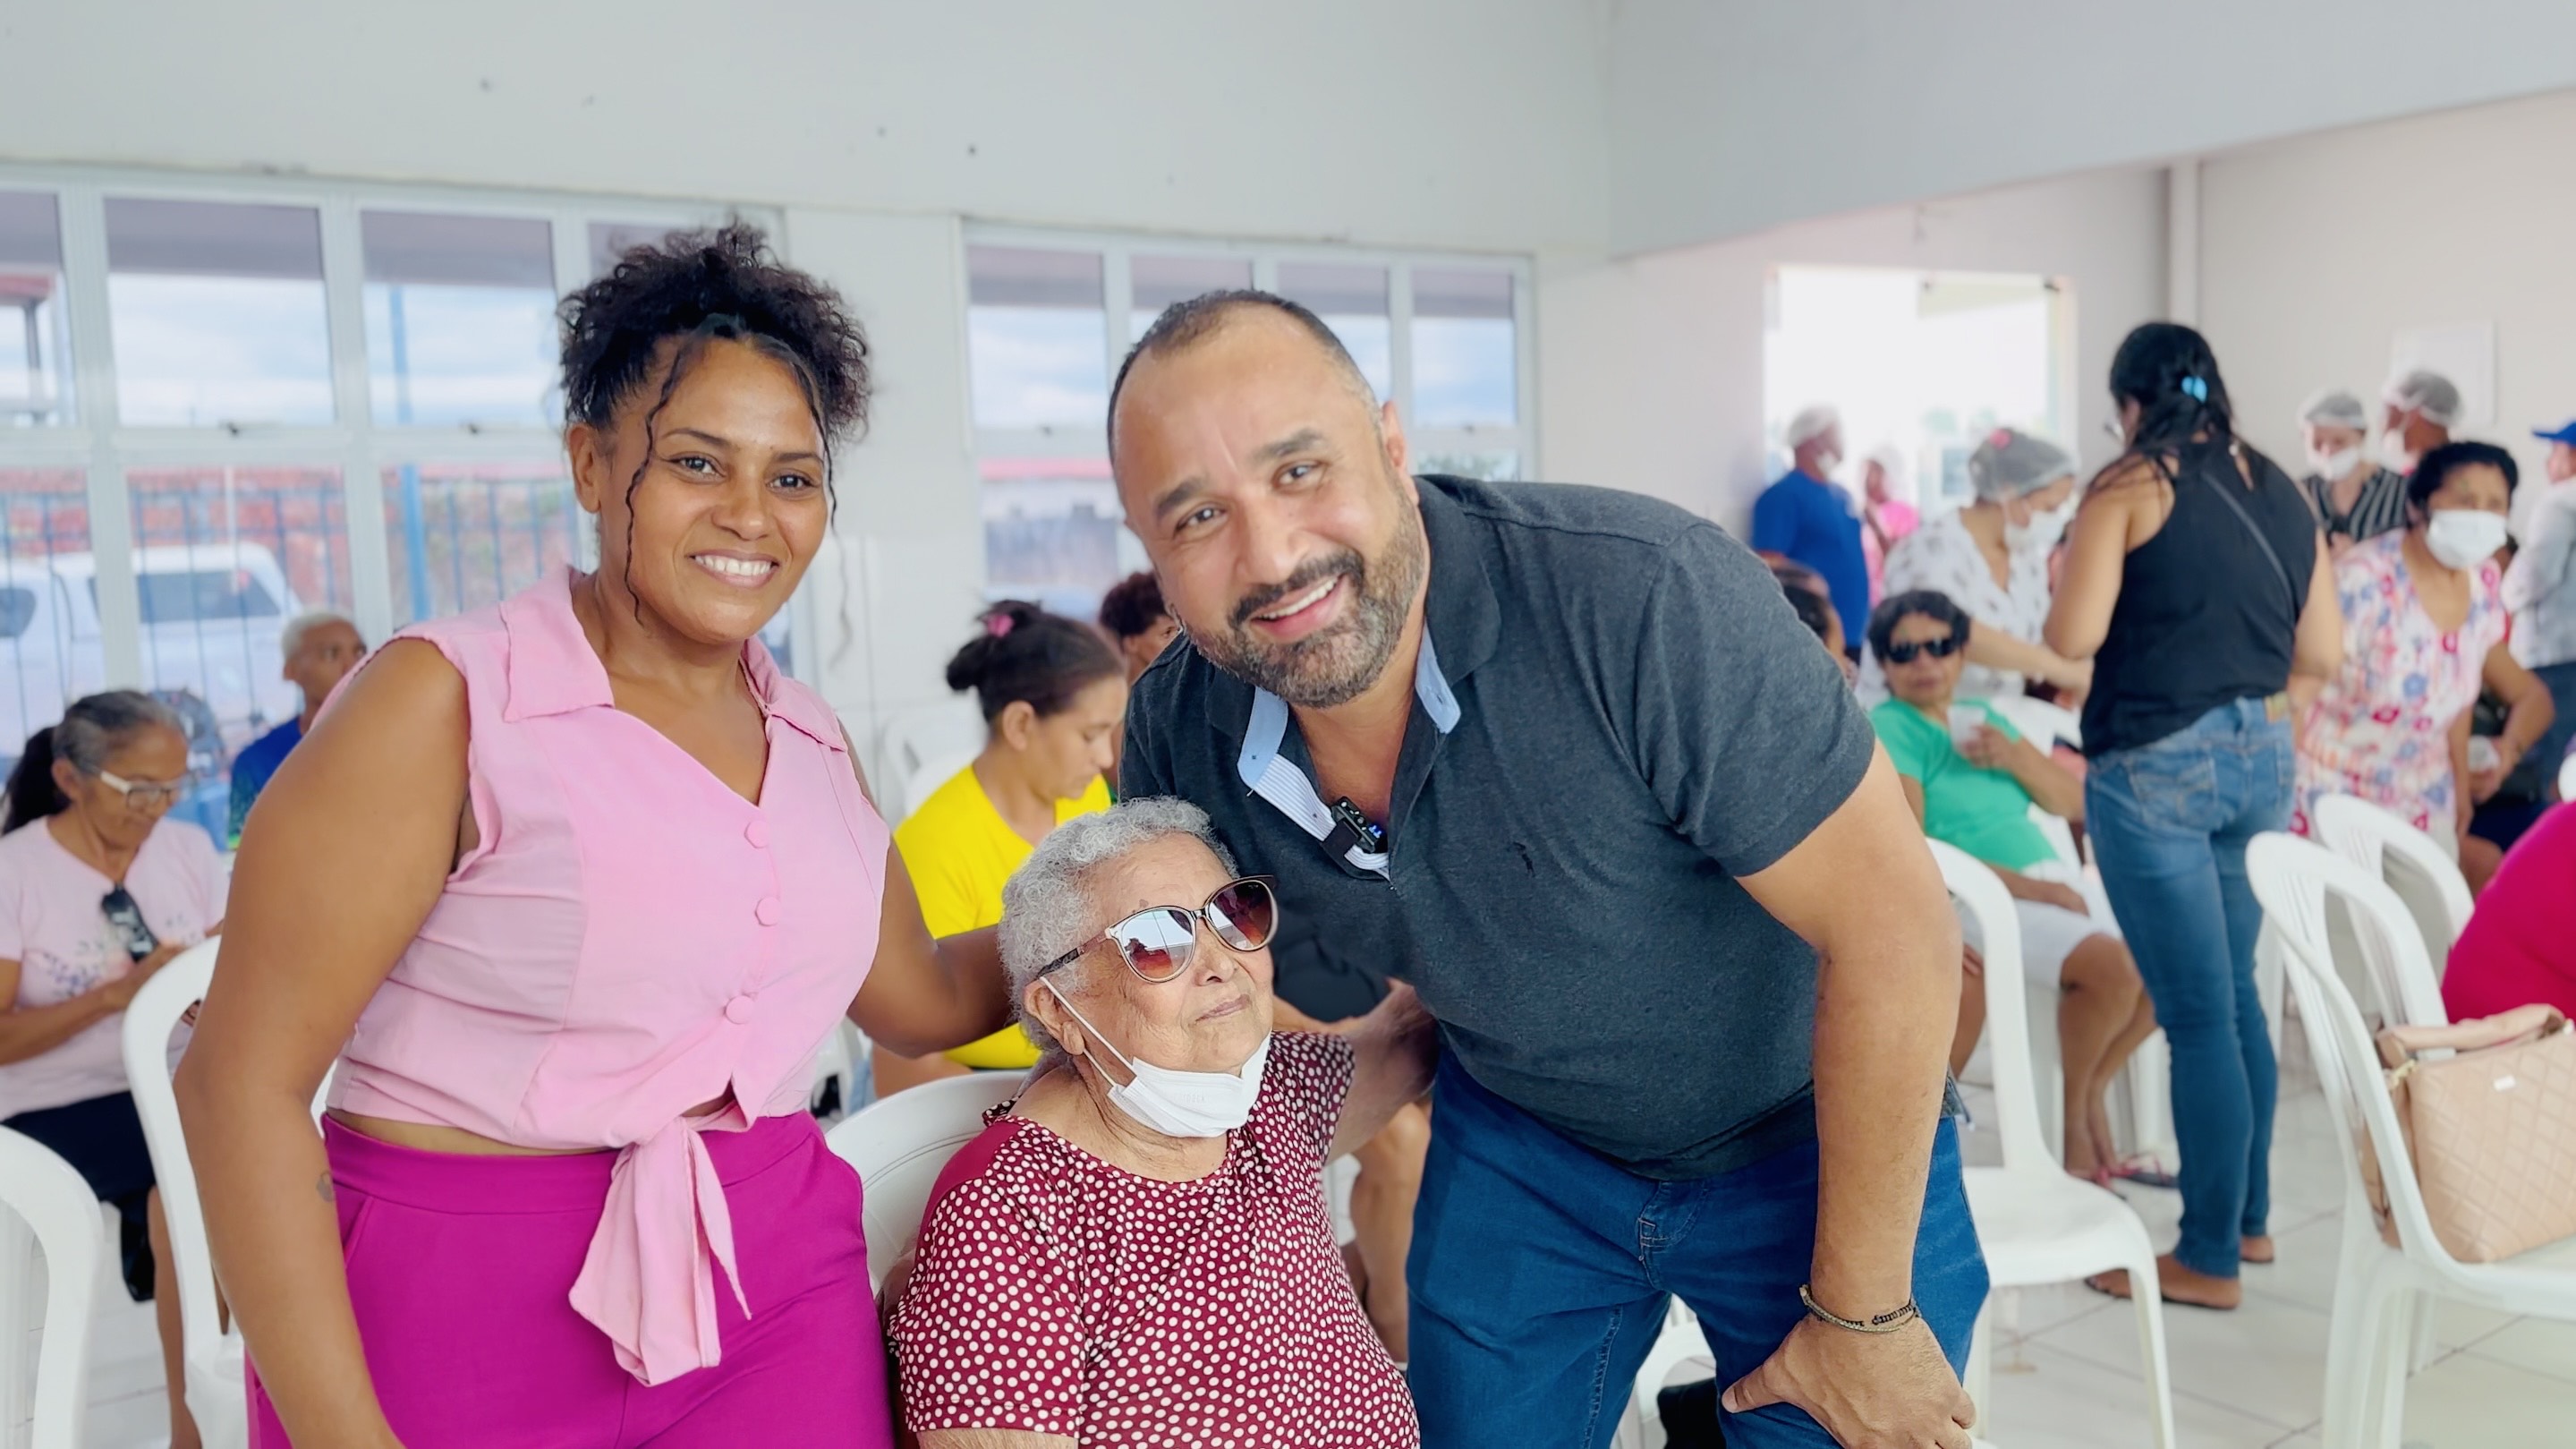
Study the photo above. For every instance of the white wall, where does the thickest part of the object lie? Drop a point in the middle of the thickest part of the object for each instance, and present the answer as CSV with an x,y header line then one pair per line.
x,y
2315,251
1451,123
1650,367
1728,117
875,126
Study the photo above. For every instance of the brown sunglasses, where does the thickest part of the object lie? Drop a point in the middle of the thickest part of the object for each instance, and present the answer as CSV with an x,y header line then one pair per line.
x,y
1158,941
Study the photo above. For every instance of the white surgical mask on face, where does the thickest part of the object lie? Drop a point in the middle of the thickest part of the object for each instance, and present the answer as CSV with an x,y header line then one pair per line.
x,y
1177,1103
2392,451
2333,466
2042,532
2463,538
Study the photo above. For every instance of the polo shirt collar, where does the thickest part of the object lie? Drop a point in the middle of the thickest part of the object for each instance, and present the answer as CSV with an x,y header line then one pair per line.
x,y
553,670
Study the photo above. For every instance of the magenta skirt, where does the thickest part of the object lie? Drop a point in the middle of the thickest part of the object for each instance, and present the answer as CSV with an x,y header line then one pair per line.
x,y
460,1269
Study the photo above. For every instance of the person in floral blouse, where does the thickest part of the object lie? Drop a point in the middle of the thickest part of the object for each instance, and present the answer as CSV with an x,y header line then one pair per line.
x,y
2425,627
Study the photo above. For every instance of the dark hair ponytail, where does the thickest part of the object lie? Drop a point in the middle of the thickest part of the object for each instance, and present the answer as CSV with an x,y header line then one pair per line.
x,y
1025,653
2168,370
91,730
33,795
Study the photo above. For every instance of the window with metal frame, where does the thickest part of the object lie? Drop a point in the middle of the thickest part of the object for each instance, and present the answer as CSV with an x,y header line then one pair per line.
x,y
1050,316
226,402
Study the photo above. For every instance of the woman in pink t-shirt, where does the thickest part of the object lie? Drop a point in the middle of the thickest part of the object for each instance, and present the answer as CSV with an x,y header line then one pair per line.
x,y
2517,948
574,887
97,892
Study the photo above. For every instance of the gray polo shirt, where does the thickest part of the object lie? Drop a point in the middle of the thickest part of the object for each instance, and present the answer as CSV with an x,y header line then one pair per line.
x,y
1617,715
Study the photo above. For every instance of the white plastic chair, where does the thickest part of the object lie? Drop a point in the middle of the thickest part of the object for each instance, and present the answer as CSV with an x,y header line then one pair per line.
x,y
2370,837
2380,1291
2567,780
217,1396
841,1062
918,749
2037,1224
899,1146
71,1237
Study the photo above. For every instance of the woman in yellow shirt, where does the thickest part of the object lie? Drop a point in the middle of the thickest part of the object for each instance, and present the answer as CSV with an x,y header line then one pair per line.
x,y
1054,695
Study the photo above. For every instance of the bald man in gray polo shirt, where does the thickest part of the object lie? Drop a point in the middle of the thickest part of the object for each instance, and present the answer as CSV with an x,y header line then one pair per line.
x,y
1564,760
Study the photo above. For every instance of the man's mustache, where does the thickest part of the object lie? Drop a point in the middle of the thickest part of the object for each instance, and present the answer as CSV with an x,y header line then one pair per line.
x,y
1310,573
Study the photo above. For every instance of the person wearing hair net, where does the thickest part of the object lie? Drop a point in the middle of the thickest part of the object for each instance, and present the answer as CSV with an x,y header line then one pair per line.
x,y
2417,414
1884,517
1805,519
1991,558
2354,497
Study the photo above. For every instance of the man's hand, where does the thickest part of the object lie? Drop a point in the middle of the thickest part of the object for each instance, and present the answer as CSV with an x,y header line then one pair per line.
x,y
1868,1390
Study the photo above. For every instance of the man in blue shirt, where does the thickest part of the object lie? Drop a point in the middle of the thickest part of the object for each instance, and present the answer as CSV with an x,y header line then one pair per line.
x,y
320,649
1805,519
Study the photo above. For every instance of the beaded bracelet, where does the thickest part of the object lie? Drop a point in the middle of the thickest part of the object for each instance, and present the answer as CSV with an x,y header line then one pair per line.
x,y
1887,1322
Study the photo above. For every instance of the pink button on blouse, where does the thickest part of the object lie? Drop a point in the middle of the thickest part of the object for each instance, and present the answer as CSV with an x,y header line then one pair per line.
x,y
629,939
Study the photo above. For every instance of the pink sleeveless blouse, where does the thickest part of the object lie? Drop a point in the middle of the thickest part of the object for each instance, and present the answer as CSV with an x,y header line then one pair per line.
x,y
629,939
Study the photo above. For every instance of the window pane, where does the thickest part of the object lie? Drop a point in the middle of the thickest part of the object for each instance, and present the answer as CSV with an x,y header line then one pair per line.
x,y
216,313
1158,282
1035,338
49,649
464,535
224,557
1054,533
1352,301
35,330
1492,467
460,319
1465,368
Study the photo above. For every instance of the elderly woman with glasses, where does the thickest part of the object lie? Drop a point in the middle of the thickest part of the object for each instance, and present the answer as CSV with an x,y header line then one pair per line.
x,y
98,890
1139,1251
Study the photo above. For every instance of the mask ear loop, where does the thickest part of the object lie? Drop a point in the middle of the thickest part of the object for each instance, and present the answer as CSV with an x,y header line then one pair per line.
x,y
1049,983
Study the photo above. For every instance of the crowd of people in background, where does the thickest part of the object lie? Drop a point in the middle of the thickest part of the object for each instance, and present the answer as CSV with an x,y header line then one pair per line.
x,y
1280,861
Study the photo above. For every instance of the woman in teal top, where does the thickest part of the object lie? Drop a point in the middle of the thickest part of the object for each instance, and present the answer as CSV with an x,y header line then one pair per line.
x,y
1972,780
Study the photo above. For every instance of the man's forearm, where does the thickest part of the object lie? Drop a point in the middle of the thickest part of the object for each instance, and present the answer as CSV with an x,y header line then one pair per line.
x,y
1883,1025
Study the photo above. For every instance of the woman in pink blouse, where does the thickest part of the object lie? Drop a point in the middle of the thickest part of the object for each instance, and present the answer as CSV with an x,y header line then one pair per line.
x,y
1137,1253
573,888
2424,628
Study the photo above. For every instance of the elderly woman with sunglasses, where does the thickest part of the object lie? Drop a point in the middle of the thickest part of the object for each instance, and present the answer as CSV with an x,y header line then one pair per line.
x,y
1973,781
1138,1251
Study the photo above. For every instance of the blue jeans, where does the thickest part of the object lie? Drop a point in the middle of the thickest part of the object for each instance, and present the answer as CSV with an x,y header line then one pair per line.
x,y
2170,822
1540,1274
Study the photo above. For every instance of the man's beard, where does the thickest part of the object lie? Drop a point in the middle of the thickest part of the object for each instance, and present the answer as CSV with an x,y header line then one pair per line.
x,y
1335,665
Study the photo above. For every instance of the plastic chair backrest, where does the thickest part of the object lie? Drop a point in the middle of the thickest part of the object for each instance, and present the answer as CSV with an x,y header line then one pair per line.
x,y
2368,836
2567,779
2007,1018
149,1020
2289,876
40,1187
2393,959
918,749
900,1144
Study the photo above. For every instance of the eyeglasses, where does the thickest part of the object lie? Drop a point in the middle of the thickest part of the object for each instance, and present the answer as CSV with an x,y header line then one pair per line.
x,y
1158,941
1937,648
147,795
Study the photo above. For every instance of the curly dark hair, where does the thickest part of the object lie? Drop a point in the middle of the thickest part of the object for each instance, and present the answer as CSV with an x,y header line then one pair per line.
x,y
697,286
1132,605
2437,466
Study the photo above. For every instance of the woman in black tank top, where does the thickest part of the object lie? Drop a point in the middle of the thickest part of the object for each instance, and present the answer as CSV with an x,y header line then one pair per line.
x,y
2197,584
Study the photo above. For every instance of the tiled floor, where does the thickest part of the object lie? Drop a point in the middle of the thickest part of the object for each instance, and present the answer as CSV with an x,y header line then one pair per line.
x,y
2066,1359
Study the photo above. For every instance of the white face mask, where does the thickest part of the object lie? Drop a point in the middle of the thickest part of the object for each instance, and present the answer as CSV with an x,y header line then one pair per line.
x,y
2042,532
1177,1103
2333,466
2463,538
2392,451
